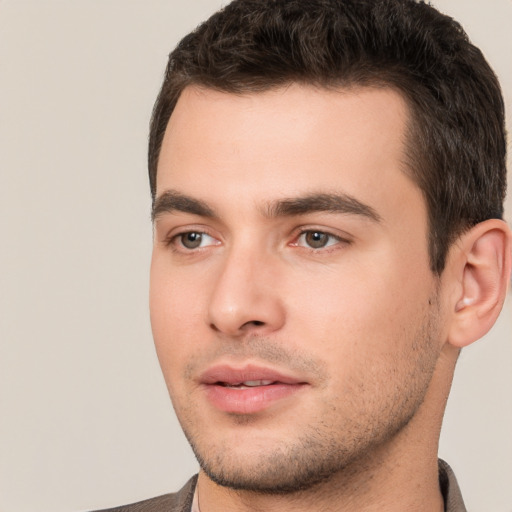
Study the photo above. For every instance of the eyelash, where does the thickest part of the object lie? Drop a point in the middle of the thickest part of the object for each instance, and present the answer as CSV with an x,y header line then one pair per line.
x,y
173,240
325,248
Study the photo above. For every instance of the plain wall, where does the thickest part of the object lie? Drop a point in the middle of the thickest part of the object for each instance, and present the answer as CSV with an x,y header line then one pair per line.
x,y
85,421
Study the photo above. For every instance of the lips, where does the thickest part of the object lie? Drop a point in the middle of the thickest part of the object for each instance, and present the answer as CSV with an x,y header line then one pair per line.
x,y
249,389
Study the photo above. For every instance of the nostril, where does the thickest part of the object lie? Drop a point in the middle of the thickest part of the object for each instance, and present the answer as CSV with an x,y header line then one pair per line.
x,y
254,323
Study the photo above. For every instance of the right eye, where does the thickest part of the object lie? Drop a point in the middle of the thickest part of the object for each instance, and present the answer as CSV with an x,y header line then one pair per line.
x,y
194,240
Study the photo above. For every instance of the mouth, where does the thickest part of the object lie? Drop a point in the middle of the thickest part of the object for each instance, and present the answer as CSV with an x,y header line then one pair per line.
x,y
248,390
247,384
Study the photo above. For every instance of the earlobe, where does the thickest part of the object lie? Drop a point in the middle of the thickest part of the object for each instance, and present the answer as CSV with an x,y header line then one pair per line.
x,y
484,272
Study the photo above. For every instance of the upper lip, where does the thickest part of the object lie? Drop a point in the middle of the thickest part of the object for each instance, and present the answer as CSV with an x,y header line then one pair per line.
x,y
227,374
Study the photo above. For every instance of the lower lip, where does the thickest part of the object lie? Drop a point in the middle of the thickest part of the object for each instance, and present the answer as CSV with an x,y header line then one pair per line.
x,y
249,400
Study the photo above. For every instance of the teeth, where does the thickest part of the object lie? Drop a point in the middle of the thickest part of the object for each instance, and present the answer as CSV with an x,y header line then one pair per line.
x,y
251,383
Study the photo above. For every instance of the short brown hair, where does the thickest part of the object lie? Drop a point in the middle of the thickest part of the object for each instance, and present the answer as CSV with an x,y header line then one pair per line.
x,y
456,149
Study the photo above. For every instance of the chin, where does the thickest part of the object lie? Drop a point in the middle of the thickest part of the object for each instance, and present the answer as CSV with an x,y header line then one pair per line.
x,y
277,468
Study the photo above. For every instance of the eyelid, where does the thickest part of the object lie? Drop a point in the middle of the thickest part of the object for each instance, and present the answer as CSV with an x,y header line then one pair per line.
x,y
341,238
171,237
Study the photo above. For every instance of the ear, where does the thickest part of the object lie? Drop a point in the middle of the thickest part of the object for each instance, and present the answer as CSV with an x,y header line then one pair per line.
x,y
482,267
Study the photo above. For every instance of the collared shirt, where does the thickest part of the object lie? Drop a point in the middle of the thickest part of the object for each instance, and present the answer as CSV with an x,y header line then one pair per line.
x,y
195,502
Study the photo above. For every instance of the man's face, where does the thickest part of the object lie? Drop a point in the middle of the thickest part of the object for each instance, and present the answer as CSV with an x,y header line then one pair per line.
x,y
293,310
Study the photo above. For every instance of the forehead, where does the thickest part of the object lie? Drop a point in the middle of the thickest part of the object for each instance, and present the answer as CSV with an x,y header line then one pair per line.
x,y
360,110
285,141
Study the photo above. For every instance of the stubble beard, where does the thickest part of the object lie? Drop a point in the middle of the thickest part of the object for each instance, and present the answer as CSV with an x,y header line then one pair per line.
x,y
292,468
341,449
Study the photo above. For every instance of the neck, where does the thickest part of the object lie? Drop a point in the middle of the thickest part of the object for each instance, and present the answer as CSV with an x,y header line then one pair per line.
x,y
402,474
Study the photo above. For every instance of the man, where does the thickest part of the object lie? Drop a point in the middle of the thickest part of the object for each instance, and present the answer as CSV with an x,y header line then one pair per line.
x,y
328,179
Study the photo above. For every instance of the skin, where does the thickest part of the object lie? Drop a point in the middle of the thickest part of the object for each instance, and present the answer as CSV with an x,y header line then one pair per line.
x,y
361,320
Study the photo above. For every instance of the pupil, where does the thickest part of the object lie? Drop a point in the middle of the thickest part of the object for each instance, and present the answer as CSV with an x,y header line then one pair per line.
x,y
191,240
316,239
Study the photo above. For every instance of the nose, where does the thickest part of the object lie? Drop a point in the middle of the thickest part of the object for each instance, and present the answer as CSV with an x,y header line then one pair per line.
x,y
246,297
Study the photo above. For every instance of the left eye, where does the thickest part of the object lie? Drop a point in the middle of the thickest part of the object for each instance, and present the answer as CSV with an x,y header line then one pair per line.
x,y
195,240
316,239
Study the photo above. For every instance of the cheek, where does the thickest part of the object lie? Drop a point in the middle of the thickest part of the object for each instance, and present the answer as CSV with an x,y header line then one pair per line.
x,y
365,313
175,312
368,333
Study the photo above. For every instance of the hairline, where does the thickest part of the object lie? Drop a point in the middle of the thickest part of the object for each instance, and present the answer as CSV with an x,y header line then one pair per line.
x,y
411,144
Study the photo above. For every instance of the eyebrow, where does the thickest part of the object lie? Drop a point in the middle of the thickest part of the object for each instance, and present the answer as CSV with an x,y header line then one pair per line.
x,y
172,201
331,203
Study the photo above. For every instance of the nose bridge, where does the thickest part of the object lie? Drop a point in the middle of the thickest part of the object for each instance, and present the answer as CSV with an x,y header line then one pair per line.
x,y
245,296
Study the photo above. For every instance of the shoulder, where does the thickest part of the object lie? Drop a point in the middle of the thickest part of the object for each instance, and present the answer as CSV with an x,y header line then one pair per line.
x,y
180,501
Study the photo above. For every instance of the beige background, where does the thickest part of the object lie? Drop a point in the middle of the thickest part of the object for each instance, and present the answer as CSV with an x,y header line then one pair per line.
x,y
85,421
